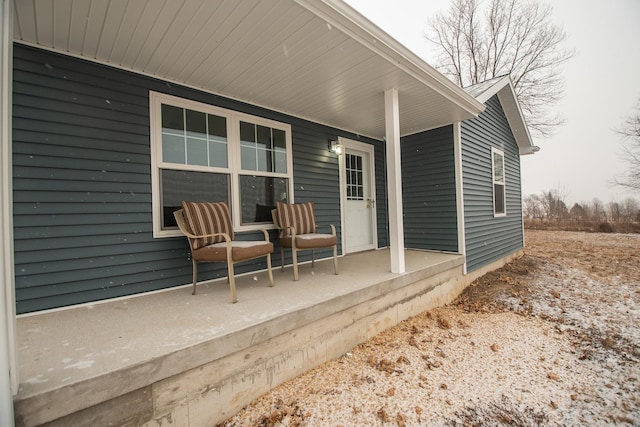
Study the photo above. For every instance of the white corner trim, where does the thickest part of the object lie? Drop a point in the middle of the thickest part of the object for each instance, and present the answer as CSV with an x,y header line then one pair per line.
x,y
8,358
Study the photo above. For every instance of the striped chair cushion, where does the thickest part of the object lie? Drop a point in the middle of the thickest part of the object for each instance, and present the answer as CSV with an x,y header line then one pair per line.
x,y
298,215
207,218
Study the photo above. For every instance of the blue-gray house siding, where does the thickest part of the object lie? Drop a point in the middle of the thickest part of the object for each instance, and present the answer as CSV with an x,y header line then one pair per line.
x,y
82,182
490,238
429,190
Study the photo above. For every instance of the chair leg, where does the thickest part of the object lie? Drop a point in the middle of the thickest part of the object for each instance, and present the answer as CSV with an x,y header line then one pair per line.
x,y
281,258
294,254
269,270
313,258
335,259
232,282
195,275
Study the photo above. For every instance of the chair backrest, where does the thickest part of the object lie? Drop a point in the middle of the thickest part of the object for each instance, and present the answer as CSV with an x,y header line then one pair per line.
x,y
274,216
300,216
203,219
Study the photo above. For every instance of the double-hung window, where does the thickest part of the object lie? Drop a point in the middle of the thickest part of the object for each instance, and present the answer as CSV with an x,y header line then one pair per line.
x,y
499,191
205,153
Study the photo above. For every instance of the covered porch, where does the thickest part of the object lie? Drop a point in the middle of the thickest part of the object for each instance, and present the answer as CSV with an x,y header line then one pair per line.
x,y
150,359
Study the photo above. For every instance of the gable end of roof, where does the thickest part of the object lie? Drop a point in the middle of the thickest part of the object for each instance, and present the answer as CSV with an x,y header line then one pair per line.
x,y
503,87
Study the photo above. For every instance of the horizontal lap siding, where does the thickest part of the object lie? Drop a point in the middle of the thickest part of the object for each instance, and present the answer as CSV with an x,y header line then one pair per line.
x,y
429,190
490,238
382,206
82,182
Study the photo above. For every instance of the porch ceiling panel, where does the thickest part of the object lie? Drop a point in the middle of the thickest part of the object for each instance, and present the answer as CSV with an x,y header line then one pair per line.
x,y
318,60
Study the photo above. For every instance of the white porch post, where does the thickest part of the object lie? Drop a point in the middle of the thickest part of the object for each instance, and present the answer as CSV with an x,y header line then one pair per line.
x,y
394,179
8,366
457,152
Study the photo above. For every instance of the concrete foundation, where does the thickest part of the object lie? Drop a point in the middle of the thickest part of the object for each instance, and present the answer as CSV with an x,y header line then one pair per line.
x,y
269,337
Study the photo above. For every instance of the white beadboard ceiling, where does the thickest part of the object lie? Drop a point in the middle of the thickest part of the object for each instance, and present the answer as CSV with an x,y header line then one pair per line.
x,y
316,59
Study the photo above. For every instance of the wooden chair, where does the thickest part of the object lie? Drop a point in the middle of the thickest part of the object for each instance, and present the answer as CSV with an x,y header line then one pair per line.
x,y
298,231
211,238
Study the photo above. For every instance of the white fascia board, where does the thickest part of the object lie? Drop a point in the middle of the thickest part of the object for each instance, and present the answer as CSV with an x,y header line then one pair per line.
x,y
503,87
496,87
515,117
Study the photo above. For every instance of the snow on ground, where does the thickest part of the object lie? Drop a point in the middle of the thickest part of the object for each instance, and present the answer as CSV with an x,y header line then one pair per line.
x,y
550,339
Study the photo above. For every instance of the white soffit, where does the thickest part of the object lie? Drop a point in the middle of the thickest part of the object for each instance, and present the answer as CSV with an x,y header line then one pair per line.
x,y
315,59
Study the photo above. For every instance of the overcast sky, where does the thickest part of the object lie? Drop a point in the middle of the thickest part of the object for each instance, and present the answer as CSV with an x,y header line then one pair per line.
x,y
602,87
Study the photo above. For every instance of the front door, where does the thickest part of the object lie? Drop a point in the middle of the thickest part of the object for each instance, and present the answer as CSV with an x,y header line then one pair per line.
x,y
357,183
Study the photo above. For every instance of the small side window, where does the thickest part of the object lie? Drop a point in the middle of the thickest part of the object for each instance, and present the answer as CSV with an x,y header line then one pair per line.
x,y
499,191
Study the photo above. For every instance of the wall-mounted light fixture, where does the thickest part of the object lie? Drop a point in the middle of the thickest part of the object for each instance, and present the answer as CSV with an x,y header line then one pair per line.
x,y
336,147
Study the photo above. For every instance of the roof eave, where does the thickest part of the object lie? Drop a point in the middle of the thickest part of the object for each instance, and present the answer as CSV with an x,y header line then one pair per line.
x,y
348,20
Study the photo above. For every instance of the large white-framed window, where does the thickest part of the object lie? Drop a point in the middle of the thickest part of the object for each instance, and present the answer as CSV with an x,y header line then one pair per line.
x,y
499,183
200,152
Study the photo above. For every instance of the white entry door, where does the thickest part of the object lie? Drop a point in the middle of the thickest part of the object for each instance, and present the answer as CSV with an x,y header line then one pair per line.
x,y
357,184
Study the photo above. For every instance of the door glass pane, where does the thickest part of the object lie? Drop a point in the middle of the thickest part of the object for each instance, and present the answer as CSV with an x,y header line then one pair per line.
x,y
355,183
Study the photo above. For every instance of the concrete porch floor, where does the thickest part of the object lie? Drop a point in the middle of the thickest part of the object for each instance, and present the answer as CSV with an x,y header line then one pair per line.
x,y
72,359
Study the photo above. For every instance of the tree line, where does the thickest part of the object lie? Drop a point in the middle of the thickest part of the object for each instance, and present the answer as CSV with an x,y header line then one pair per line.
x,y
549,210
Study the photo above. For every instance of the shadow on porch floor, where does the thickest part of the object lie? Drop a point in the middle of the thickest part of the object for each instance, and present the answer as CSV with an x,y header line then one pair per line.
x,y
121,345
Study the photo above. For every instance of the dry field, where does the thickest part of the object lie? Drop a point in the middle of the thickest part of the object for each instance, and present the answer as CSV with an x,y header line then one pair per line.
x,y
550,339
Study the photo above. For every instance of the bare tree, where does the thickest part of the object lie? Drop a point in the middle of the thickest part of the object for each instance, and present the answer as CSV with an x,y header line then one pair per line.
x,y
630,210
514,37
532,207
579,213
630,132
598,213
615,212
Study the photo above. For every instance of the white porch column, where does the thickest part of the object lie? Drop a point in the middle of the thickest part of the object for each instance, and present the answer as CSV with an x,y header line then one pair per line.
x,y
457,153
8,366
394,180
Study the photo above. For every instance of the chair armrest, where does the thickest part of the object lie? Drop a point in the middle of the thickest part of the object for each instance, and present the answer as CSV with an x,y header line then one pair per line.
x,y
264,231
266,234
331,226
293,230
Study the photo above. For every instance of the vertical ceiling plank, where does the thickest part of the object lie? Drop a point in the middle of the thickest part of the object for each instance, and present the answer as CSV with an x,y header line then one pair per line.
x,y
78,27
44,20
24,22
61,24
95,27
113,22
